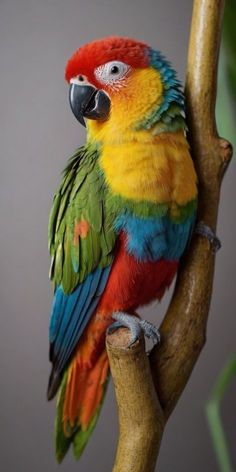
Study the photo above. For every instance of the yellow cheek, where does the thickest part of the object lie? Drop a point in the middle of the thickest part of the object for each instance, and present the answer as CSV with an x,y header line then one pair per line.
x,y
138,97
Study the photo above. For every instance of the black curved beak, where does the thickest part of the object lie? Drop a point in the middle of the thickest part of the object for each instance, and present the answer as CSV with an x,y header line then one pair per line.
x,y
88,102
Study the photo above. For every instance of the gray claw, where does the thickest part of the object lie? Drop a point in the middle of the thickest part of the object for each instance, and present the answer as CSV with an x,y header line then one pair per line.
x,y
136,326
150,331
130,322
114,326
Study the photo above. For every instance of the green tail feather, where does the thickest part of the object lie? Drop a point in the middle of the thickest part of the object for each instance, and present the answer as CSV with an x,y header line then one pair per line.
x,y
78,437
62,443
81,437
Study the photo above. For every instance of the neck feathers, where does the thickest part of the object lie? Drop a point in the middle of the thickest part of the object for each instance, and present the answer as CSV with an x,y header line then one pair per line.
x,y
169,116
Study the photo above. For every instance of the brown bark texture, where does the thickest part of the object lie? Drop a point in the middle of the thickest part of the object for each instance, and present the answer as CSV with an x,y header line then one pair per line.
x,y
148,388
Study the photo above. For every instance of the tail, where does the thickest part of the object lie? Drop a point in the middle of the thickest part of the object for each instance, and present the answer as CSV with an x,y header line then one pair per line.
x,y
79,403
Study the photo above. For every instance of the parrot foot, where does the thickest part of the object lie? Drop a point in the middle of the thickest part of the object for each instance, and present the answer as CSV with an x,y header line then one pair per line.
x,y
204,230
136,327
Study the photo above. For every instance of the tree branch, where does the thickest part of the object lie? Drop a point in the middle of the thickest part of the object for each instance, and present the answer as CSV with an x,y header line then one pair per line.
x,y
141,420
184,327
183,330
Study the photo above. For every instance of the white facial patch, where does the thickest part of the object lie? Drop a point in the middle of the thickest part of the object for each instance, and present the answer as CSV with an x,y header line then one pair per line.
x,y
112,73
80,80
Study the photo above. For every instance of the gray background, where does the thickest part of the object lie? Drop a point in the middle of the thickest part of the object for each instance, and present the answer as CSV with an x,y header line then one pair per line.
x,y
38,133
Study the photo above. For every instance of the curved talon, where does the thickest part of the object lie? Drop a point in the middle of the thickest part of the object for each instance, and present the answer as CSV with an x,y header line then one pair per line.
x,y
204,230
136,326
129,321
150,331
114,326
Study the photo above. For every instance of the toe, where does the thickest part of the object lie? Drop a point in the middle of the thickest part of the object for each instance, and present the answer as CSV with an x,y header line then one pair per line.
x,y
150,331
113,327
131,322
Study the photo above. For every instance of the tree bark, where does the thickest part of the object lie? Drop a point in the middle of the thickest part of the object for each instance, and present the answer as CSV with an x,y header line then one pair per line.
x,y
147,389
141,417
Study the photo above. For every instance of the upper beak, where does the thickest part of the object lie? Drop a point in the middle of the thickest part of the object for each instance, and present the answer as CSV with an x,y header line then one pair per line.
x,y
87,101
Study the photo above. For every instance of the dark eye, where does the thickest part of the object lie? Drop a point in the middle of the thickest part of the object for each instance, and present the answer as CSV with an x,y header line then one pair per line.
x,y
80,78
114,70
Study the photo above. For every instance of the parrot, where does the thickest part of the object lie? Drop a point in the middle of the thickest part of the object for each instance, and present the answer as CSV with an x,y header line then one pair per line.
x,y
120,221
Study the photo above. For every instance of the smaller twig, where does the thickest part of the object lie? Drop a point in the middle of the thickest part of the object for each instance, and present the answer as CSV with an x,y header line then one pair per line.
x,y
141,420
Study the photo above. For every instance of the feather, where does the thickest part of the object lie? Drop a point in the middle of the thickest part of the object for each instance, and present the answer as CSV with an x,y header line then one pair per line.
x,y
62,442
58,265
52,221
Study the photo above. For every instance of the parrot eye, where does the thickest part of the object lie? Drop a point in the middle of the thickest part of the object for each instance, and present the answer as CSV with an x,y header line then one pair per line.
x,y
111,72
114,70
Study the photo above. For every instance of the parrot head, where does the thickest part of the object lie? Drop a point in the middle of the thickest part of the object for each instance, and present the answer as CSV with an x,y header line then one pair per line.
x,y
124,83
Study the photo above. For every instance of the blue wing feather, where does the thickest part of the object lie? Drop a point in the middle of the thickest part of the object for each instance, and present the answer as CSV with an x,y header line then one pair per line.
x,y
71,313
55,312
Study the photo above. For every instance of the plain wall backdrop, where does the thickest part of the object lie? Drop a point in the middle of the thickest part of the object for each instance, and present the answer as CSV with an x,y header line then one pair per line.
x,y
38,134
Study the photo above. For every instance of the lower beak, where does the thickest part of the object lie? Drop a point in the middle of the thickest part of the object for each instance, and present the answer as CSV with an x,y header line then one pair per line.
x,y
88,102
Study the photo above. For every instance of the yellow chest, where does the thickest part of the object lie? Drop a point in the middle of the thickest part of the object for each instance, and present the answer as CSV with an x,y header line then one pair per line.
x,y
154,169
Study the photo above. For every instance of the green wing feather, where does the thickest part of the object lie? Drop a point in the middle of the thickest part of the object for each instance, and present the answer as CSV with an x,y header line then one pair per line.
x,y
80,198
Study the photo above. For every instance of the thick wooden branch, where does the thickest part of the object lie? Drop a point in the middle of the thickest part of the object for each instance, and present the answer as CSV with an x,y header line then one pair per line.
x,y
183,330
184,327
141,420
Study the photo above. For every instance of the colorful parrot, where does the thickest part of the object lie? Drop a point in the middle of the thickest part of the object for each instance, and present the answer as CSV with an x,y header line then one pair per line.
x,y
120,220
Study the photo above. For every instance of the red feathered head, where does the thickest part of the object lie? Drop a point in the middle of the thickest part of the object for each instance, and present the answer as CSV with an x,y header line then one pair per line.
x,y
90,57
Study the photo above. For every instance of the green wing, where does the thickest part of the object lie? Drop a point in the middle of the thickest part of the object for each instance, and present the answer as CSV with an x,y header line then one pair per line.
x,y
81,237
